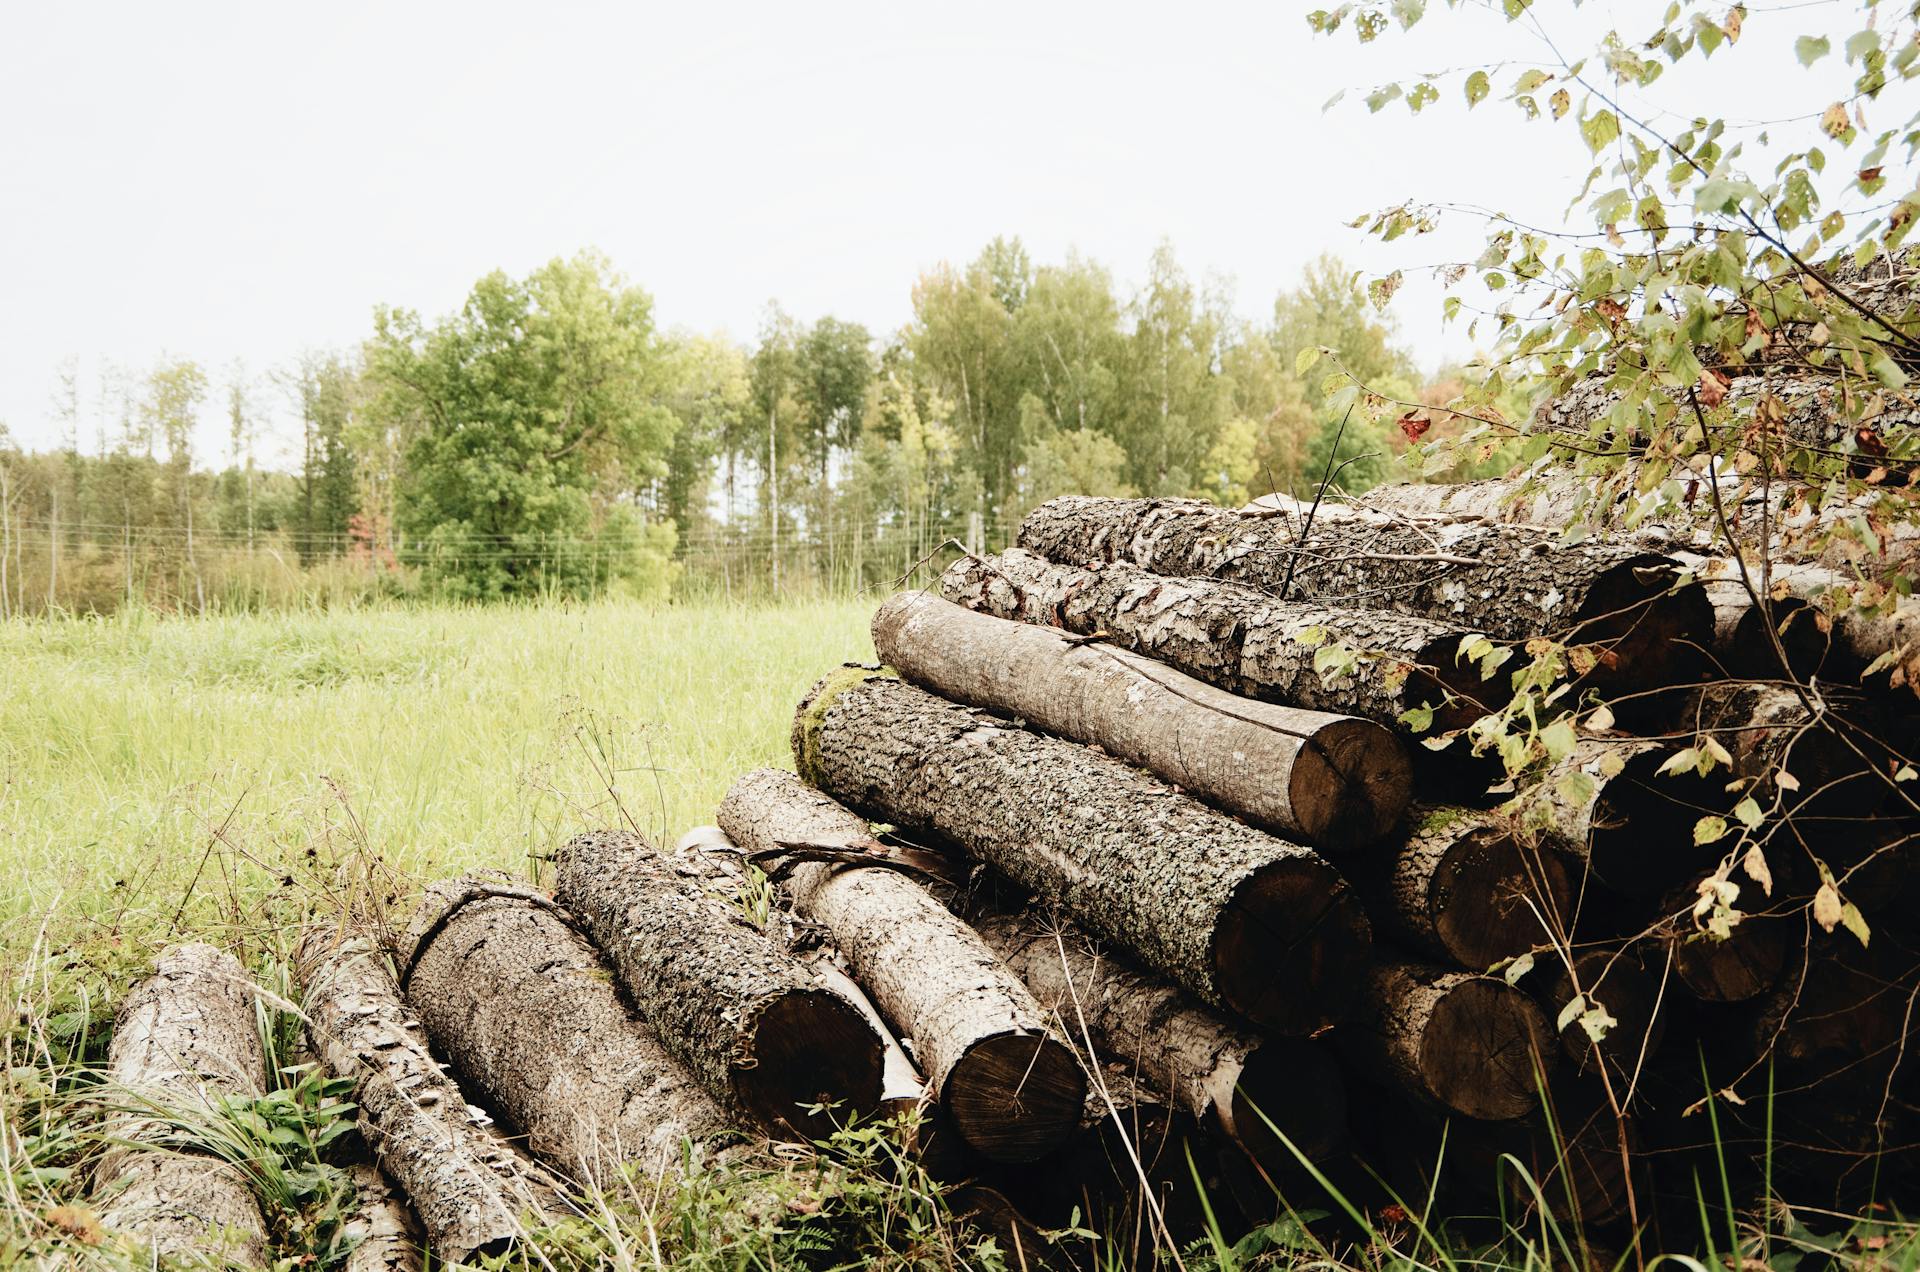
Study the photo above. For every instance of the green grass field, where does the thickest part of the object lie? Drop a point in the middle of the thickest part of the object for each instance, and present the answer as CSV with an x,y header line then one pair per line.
x,y
440,738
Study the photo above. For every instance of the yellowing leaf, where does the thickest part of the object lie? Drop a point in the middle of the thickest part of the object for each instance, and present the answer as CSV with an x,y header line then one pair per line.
x,y
1559,102
1755,864
1786,781
1827,907
1748,812
1855,922
1601,719
1518,967
1709,829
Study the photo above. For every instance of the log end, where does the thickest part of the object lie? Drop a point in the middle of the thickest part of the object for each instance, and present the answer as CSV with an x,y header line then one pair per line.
x,y
1641,841
1744,965
815,1060
811,715
1351,784
1291,943
1290,1087
1494,898
1483,1049
1016,1097
1650,634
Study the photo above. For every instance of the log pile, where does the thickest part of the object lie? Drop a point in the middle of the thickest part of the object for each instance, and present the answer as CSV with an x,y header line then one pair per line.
x,y
1110,877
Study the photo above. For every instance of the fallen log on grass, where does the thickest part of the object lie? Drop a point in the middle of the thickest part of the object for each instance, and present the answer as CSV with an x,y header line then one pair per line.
x,y
1241,640
1465,887
1336,781
1013,1090
518,998
756,1028
474,1194
1245,921
1511,582
1471,1044
184,1040
1219,1073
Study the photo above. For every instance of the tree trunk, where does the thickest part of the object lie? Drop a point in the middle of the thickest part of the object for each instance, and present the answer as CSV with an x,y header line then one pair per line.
x,y
1239,639
1464,887
1245,921
1014,1090
184,1040
474,1193
382,1225
1221,1074
757,1029
512,992
1511,582
1333,780
1471,1044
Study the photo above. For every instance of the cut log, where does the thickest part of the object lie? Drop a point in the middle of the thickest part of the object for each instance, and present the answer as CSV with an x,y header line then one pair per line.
x,y
1465,887
1239,639
1629,984
1511,582
518,998
1841,1013
1472,1044
1245,921
761,1034
1221,1074
1732,969
474,1194
1013,1090
1336,781
184,1040
385,1234
1767,730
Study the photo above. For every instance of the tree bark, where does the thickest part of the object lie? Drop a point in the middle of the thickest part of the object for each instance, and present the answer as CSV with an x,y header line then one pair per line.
x,y
757,1029
518,998
184,1040
474,1193
1245,921
1237,638
1511,582
1219,1073
1465,887
1471,1044
382,1224
1013,1089
1336,781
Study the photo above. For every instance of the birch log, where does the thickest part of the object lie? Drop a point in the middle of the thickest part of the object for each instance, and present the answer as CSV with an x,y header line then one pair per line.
x,y
1221,1074
753,1024
518,998
1471,1044
1336,781
1466,887
185,1039
1245,921
1238,638
1013,1090
1513,583
474,1194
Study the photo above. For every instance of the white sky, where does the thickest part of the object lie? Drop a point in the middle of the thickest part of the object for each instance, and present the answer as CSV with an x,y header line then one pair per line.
x,y
227,181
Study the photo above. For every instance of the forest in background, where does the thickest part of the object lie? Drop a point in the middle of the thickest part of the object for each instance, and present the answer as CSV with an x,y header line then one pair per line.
x,y
551,438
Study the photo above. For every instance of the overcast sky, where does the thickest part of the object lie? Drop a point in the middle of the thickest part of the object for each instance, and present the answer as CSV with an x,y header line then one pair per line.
x,y
246,181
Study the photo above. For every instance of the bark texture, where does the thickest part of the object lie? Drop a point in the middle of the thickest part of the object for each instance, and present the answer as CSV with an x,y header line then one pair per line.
x,y
745,1016
1238,638
473,1193
1221,1074
1511,582
1465,887
1013,1089
184,1040
1242,919
1336,781
383,1225
1471,1044
518,998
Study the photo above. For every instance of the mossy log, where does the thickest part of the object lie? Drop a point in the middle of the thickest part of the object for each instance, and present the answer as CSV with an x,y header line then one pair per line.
x,y
514,993
1013,1090
1245,921
1224,1076
1238,638
475,1195
1471,1044
1466,887
1336,781
757,1029
185,1039
1511,582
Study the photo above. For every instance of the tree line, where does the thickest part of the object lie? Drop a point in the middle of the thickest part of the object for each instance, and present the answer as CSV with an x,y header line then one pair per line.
x,y
549,437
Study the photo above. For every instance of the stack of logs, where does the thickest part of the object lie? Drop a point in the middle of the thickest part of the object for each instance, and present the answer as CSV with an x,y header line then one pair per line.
x,y
1129,868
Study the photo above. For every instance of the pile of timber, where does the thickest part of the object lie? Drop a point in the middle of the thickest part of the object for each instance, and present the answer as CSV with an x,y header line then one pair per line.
x,y
1126,867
